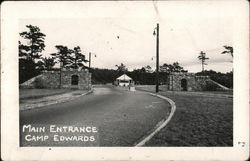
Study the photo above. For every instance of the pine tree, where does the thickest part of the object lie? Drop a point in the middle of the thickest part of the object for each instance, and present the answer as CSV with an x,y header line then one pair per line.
x,y
77,58
202,57
35,43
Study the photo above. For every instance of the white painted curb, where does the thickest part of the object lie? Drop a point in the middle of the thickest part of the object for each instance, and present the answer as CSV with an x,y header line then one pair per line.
x,y
173,107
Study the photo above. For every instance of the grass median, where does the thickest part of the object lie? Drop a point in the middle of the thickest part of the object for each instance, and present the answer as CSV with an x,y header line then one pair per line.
x,y
199,120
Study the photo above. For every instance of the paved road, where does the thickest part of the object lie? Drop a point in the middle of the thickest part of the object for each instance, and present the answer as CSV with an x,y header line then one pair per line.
x,y
121,117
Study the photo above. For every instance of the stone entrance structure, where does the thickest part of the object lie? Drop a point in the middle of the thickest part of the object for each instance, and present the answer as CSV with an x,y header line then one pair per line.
x,y
180,81
67,78
74,78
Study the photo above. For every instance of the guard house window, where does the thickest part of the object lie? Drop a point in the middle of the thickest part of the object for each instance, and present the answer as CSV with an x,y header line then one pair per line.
x,y
74,80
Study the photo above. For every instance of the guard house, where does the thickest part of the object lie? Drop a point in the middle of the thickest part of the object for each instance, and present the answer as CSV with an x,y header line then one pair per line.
x,y
123,80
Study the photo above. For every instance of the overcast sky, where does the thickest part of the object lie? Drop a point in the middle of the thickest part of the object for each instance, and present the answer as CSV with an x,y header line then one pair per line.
x,y
185,30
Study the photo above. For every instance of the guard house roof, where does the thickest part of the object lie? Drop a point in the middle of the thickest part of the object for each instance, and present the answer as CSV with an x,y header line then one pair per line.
x,y
124,77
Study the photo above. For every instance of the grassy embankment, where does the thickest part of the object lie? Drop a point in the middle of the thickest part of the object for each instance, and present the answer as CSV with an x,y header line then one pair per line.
x,y
199,120
38,93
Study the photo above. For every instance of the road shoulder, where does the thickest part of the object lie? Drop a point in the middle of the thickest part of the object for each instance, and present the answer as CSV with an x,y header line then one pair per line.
x,y
29,104
162,123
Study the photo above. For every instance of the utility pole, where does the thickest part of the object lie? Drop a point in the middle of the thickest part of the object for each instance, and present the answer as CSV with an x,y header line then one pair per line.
x,y
89,59
60,82
157,58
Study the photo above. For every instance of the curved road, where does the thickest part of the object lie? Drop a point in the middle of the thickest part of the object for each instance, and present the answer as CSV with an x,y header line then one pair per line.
x,y
121,117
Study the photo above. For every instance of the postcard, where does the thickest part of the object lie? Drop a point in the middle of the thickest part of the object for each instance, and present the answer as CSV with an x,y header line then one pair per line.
x,y
125,80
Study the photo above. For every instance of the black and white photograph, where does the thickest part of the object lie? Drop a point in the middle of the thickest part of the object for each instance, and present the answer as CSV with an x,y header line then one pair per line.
x,y
163,75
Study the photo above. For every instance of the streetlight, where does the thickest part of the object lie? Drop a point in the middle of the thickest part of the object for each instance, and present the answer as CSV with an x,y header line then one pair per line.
x,y
90,58
156,32
90,62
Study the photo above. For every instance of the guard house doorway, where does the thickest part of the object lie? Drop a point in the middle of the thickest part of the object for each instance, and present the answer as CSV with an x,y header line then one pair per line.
x,y
184,85
74,80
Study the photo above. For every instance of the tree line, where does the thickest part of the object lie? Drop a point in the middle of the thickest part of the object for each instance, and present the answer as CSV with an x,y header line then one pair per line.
x,y
146,76
32,62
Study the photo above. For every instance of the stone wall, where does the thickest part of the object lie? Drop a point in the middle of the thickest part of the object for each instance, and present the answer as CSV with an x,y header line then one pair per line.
x,y
51,79
202,81
186,81
84,78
